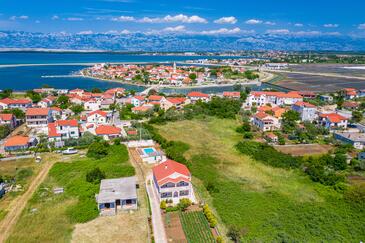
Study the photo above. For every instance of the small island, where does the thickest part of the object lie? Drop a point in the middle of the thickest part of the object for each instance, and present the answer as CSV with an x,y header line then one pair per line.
x,y
172,75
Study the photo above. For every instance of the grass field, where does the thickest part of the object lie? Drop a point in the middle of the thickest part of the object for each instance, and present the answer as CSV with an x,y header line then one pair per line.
x,y
304,149
24,170
51,218
270,204
196,227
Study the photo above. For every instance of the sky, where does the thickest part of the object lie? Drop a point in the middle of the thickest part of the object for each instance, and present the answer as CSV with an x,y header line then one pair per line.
x,y
213,17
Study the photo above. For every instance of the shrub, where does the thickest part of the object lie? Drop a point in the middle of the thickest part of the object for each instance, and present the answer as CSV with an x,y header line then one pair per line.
x,y
234,234
163,205
98,150
219,239
356,196
23,174
95,176
184,204
209,215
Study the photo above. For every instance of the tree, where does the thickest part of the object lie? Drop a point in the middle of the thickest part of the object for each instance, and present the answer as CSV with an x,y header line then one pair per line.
x,y
234,234
6,93
18,113
96,90
291,116
87,138
98,150
95,176
192,76
357,116
77,109
34,96
63,101
340,162
4,131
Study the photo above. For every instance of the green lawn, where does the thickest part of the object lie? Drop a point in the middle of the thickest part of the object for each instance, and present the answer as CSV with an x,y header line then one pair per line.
x,y
196,227
269,204
50,218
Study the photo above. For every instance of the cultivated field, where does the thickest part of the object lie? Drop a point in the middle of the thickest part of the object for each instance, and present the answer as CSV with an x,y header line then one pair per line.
x,y
196,227
268,204
304,149
51,218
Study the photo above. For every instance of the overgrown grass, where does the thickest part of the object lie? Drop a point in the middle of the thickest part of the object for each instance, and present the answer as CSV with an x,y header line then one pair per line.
x,y
49,217
269,204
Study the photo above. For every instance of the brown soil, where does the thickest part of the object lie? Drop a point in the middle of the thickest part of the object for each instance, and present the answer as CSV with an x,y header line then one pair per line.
x,y
173,227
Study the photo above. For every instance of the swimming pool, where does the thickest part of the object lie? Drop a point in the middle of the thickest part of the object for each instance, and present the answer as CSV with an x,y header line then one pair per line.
x,y
149,150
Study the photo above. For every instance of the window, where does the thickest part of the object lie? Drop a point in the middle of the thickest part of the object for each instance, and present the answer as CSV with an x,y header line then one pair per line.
x,y
166,194
184,193
168,185
182,183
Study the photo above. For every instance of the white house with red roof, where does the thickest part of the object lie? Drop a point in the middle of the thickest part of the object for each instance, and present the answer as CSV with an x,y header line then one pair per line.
x,y
78,92
98,117
232,95
8,103
63,130
38,117
137,100
46,102
194,96
156,99
177,102
8,119
333,121
350,93
116,92
108,132
260,98
266,122
92,104
308,112
172,181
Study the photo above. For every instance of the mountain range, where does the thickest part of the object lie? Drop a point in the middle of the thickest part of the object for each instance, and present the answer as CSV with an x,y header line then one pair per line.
x,y
178,42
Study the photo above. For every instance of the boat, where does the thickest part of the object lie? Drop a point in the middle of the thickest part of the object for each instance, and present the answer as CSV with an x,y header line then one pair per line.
x,y
70,151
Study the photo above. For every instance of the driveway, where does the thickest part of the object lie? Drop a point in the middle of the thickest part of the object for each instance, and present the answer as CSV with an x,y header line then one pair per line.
x,y
157,221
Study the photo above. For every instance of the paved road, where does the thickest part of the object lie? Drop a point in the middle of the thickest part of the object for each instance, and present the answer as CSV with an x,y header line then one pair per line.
x,y
157,221
19,203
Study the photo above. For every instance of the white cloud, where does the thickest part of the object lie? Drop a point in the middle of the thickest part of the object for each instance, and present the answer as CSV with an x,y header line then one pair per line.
x,y
278,32
23,17
298,25
124,19
55,17
222,31
85,32
270,23
226,20
330,25
361,26
115,32
74,19
179,28
253,21
177,18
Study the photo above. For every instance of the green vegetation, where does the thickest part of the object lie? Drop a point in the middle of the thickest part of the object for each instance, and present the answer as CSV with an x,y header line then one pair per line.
x,y
196,227
18,113
6,93
34,96
50,217
4,131
260,202
98,150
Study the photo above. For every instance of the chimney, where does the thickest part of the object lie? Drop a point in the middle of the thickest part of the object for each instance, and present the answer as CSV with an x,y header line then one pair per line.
x,y
165,167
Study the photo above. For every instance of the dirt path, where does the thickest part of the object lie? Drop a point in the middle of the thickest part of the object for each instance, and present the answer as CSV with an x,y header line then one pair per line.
x,y
19,204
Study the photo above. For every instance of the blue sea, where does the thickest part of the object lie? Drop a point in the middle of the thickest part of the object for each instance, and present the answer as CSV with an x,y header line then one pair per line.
x,y
23,77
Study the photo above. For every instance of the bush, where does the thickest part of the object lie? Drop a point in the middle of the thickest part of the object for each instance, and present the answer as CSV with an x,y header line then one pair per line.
x,y
248,135
356,196
219,239
184,204
23,174
234,234
163,205
98,150
95,176
209,215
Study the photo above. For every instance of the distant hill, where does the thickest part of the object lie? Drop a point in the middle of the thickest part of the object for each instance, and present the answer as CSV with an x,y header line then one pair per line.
x,y
176,42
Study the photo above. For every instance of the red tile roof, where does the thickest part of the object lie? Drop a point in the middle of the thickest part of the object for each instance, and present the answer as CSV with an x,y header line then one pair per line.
x,y
138,97
261,115
99,112
71,123
176,100
9,101
37,112
155,98
16,141
107,130
52,131
167,168
304,104
232,94
198,94
333,117
6,117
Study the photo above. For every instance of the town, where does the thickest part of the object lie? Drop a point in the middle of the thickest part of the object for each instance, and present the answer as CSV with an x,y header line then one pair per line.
x,y
170,75
65,123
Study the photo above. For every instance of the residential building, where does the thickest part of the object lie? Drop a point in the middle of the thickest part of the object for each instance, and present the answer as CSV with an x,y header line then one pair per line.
x,y
172,181
155,99
38,117
265,122
108,132
333,121
326,98
176,102
356,139
308,112
98,117
260,98
17,143
63,130
142,109
196,96
137,101
8,103
232,95
117,194
8,119
92,105
350,93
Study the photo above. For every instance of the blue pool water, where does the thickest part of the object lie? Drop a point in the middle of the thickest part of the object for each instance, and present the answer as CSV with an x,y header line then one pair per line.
x,y
149,150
